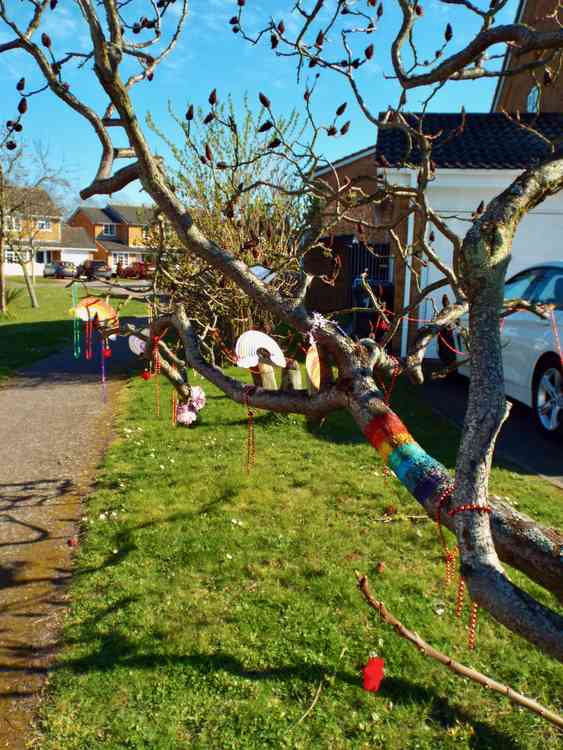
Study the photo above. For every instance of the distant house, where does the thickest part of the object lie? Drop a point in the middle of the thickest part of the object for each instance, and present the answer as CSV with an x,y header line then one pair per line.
x,y
35,233
118,232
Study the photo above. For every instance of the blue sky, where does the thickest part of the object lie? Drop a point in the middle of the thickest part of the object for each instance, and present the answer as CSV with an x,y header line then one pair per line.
x,y
210,56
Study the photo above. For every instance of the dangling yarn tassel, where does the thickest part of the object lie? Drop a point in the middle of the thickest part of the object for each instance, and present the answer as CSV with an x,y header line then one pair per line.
x,y
89,334
460,597
472,632
156,367
174,408
75,324
103,360
250,437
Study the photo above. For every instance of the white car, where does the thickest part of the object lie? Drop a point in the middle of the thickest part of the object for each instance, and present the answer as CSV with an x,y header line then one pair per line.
x,y
532,355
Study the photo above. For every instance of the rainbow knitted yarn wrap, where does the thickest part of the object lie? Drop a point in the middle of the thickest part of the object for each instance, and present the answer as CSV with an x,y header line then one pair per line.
x,y
421,474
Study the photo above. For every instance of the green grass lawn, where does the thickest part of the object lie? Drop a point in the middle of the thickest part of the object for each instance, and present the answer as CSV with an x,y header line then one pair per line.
x,y
29,334
209,607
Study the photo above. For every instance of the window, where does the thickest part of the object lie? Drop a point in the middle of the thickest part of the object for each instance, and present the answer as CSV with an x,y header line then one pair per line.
x,y
109,230
551,291
10,256
122,258
43,256
43,223
13,224
533,100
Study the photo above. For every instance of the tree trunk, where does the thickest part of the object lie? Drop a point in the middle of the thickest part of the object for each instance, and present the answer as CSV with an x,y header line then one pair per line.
x,y
29,286
3,303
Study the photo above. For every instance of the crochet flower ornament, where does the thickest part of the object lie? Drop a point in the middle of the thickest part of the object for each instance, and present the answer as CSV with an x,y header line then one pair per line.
x,y
197,399
186,414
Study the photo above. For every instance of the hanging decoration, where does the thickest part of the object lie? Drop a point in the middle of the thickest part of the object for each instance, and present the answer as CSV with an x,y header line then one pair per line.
x,y
374,672
156,371
472,635
174,407
103,356
185,415
248,345
90,308
136,344
186,412
250,436
96,314
75,324
313,366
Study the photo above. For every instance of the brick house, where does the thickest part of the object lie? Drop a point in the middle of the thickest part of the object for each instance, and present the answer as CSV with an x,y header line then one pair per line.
x,y
34,230
118,232
477,164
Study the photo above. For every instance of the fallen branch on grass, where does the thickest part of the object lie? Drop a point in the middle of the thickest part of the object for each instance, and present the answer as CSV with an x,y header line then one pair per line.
x,y
454,666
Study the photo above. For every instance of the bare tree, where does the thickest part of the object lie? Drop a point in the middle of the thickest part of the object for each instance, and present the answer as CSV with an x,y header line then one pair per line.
x,y
28,183
336,37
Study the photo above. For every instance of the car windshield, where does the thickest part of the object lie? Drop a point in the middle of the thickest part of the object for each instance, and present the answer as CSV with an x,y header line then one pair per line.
x,y
550,290
522,285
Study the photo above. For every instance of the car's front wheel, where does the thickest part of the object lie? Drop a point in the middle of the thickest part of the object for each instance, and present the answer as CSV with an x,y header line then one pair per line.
x,y
548,398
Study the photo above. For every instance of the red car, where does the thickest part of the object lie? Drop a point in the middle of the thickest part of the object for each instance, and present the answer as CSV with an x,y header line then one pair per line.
x,y
137,270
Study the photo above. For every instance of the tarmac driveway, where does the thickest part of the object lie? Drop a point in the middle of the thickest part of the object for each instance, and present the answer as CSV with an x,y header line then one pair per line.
x,y
519,442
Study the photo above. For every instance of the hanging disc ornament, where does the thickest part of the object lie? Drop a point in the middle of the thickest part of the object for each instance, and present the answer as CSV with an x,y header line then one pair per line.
x,y
136,344
313,366
248,345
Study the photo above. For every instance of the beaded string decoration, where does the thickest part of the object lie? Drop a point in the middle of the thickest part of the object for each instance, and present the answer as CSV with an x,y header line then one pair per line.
x,y
174,408
472,635
75,324
449,554
472,630
105,353
156,370
460,596
88,337
250,437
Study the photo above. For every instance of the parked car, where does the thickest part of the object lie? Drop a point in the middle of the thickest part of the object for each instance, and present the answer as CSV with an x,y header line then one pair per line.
x,y
49,269
94,269
531,354
137,270
65,270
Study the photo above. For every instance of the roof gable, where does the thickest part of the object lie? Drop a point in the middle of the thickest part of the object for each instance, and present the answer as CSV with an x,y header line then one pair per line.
x,y
137,216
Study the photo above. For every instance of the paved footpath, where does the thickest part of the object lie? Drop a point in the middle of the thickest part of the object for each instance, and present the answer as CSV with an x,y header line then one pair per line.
x,y
54,427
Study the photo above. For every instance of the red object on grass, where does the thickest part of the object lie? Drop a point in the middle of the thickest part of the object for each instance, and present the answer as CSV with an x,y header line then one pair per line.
x,y
146,375
373,674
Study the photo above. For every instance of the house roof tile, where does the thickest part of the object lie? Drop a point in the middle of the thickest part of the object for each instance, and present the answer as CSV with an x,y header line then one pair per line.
x,y
487,140
134,215
120,247
96,215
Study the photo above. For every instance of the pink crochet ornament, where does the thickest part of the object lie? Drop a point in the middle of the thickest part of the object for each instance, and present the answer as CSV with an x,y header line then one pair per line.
x,y
197,399
185,415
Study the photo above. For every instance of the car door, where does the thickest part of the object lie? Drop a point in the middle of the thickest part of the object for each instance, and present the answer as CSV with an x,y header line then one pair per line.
x,y
520,331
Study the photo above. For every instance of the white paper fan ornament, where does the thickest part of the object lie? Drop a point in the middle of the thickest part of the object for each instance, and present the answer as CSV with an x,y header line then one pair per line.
x,y
136,344
248,345
313,366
